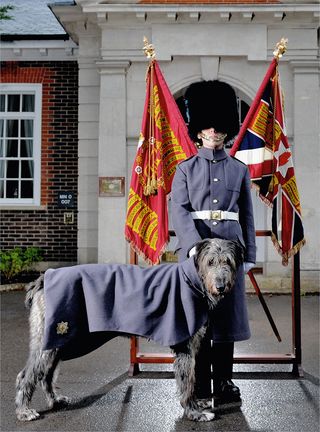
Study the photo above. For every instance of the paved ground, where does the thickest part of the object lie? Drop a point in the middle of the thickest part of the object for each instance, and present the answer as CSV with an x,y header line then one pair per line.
x,y
105,399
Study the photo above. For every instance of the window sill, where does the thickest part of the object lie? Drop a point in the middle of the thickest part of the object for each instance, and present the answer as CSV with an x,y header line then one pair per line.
x,y
22,207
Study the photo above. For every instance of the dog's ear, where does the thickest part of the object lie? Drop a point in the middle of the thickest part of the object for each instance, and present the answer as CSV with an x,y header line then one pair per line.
x,y
201,245
238,251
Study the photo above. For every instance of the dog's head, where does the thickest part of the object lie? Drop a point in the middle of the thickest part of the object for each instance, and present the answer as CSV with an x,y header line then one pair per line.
x,y
217,262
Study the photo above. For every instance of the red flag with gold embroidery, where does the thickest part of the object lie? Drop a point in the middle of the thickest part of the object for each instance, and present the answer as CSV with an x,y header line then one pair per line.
x,y
163,143
262,144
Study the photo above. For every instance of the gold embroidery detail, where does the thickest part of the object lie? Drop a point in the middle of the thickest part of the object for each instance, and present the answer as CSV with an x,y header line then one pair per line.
x,y
62,328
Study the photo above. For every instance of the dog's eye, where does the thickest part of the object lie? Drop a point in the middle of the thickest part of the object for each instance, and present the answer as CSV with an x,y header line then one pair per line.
x,y
211,262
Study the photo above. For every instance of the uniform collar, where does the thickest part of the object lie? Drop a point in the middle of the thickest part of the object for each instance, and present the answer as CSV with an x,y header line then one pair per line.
x,y
191,276
212,154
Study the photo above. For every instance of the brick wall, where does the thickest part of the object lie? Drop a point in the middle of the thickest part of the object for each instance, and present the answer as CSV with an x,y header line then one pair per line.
x,y
45,227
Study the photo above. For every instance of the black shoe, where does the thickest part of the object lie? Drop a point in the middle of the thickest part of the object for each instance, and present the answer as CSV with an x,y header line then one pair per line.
x,y
225,392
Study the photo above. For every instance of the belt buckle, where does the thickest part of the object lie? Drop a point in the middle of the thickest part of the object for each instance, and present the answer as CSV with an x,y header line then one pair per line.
x,y
216,214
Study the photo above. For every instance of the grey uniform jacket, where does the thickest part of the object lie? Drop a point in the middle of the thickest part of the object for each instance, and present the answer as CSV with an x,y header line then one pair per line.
x,y
87,305
212,180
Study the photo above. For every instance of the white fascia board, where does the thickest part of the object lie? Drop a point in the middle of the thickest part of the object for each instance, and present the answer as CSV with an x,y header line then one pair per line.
x,y
38,50
38,44
202,8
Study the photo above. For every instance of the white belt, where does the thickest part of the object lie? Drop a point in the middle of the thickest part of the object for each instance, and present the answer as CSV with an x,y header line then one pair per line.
x,y
215,214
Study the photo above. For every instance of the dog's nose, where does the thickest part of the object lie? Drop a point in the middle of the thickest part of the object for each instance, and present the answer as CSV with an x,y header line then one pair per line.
x,y
220,289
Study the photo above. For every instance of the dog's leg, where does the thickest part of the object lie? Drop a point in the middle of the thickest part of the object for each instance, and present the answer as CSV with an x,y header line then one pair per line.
x,y
24,391
51,359
28,378
41,364
26,382
184,367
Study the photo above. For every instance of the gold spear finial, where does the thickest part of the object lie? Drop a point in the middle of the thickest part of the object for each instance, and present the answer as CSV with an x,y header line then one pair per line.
x,y
148,48
281,48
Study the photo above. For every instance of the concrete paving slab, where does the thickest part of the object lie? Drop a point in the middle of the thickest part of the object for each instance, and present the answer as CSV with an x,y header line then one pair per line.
x,y
105,398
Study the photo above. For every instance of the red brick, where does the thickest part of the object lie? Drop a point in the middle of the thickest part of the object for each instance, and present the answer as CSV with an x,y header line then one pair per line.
x,y
45,228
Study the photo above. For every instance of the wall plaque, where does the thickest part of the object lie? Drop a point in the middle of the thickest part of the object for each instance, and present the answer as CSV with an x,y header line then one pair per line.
x,y
111,186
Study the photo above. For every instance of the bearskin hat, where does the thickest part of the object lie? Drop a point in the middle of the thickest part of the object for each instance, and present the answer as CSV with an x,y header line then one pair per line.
x,y
212,104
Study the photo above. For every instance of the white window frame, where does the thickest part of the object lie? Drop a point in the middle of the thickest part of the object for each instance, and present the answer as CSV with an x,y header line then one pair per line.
x,y
36,116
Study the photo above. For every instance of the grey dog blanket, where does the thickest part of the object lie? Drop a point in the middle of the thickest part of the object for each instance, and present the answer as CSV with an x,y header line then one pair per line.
x,y
87,305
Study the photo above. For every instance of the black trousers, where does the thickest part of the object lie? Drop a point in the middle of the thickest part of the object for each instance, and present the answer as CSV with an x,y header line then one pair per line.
x,y
213,361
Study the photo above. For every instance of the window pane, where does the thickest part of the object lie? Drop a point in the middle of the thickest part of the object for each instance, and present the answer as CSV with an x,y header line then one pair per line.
x,y
2,102
244,110
1,188
12,189
1,127
28,103
26,169
26,189
12,148
12,169
27,128
2,168
14,103
1,148
12,128
26,148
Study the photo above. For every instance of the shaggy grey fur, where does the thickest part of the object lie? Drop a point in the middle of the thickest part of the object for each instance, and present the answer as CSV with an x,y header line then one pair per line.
x,y
216,262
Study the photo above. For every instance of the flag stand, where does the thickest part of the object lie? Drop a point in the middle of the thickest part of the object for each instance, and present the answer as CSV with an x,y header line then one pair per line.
x,y
294,358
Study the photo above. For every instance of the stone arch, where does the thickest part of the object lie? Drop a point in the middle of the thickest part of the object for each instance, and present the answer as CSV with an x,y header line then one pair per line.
x,y
244,91
178,88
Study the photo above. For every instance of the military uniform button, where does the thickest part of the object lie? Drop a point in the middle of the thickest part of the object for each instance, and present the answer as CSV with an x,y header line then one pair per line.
x,y
215,201
214,223
215,180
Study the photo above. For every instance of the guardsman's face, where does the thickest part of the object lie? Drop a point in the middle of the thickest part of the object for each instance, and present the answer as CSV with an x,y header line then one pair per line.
x,y
212,139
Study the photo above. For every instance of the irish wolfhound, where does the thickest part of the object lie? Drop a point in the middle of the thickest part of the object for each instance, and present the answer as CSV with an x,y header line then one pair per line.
x,y
215,263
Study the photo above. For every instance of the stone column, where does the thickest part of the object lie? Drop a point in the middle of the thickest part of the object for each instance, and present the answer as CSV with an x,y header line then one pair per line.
x,y
112,159
306,154
89,82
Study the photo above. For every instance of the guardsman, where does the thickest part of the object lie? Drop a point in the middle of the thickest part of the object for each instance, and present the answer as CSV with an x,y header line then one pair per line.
x,y
211,199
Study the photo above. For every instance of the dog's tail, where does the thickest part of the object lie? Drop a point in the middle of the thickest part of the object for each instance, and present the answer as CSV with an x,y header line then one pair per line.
x,y
31,290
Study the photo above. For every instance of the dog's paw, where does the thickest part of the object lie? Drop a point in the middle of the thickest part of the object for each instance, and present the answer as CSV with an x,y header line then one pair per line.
x,y
204,404
59,401
206,416
62,400
199,416
27,414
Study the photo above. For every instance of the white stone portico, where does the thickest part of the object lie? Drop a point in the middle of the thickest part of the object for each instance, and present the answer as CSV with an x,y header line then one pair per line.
x,y
232,43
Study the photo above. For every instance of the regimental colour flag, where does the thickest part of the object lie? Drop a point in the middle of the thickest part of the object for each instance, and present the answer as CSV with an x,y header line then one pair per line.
x,y
163,143
262,144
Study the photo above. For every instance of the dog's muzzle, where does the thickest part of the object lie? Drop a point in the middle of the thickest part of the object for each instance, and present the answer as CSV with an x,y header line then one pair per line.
x,y
220,289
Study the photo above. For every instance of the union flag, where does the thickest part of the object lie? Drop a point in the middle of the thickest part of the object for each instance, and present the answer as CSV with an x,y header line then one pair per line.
x,y
163,143
262,144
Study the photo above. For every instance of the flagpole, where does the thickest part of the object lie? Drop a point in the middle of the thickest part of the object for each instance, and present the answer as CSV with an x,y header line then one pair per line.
x,y
280,49
151,185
